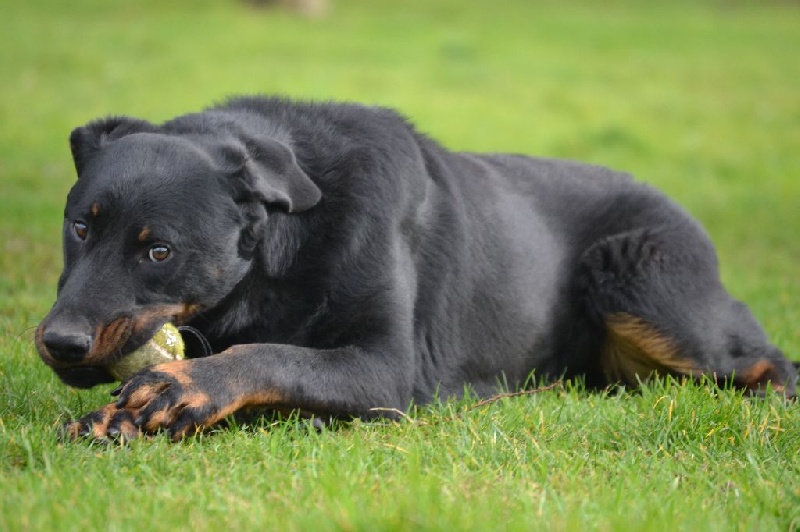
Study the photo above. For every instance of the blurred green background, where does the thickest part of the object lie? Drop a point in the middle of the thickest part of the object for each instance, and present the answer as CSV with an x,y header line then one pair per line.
x,y
700,98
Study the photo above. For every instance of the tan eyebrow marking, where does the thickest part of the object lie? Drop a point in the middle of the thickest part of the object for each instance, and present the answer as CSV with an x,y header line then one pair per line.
x,y
144,234
95,209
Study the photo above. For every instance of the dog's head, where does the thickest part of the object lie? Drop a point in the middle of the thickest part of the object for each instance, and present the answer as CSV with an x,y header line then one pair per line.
x,y
158,226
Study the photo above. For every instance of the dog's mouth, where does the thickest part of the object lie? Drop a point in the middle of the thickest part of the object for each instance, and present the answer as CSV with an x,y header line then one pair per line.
x,y
111,341
84,376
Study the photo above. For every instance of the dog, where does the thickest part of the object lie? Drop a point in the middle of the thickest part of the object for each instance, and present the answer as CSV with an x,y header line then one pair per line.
x,y
342,264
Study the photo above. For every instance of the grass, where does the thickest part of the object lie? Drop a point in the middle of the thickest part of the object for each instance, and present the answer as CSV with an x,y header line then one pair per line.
x,y
698,98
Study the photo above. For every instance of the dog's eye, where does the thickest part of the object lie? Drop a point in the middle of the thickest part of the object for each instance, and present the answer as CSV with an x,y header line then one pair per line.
x,y
159,253
80,229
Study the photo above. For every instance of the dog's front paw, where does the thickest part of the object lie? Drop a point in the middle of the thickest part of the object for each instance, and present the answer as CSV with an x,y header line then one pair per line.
x,y
174,397
104,425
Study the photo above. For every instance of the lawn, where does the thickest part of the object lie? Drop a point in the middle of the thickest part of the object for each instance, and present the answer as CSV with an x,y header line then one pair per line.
x,y
700,98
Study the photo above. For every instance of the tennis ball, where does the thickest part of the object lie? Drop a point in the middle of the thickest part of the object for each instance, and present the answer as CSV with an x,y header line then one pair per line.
x,y
165,345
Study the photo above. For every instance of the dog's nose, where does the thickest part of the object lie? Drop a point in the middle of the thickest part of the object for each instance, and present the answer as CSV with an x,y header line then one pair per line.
x,y
67,346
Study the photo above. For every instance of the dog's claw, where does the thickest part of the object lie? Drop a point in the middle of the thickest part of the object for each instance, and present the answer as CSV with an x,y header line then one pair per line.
x,y
115,392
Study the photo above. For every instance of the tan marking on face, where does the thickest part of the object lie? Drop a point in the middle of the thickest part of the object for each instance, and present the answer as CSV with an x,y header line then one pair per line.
x,y
189,310
145,232
179,312
147,318
95,209
635,350
42,349
109,339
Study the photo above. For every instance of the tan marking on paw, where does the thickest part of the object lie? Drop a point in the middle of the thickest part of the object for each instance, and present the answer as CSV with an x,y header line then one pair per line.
x,y
72,431
160,419
99,429
128,431
177,369
756,377
144,394
253,400
109,339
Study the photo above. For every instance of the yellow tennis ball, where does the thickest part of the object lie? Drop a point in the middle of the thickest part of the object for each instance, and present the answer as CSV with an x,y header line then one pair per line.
x,y
165,345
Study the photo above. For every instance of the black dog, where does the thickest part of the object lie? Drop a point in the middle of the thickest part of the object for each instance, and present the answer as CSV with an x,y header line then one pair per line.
x,y
342,264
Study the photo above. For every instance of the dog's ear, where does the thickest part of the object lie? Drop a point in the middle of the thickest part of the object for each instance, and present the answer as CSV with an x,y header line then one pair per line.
x,y
267,171
85,141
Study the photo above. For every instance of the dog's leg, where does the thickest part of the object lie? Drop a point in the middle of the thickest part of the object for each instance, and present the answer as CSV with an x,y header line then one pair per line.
x,y
658,294
184,396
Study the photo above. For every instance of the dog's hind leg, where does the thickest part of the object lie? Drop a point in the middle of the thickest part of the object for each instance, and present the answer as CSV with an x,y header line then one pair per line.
x,y
657,294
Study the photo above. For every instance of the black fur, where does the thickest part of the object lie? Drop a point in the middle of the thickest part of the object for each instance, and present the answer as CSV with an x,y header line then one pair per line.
x,y
356,263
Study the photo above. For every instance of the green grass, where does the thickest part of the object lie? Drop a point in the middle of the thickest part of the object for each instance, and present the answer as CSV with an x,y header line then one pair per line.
x,y
698,98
